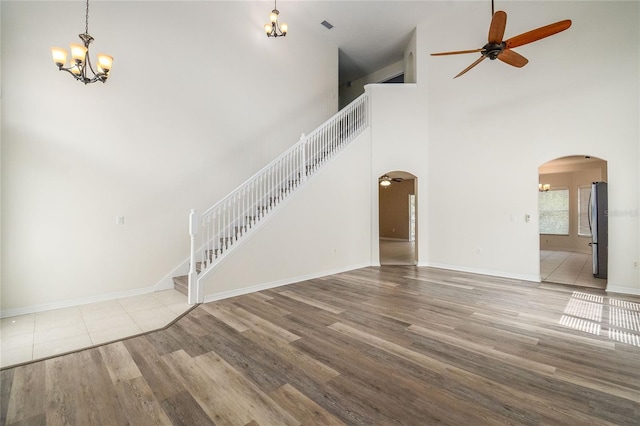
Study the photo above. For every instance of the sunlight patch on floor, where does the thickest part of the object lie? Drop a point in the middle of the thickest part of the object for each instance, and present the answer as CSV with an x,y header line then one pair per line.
x,y
592,314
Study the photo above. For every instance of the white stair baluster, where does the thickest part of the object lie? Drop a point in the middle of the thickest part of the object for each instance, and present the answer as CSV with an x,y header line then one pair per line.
x,y
215,231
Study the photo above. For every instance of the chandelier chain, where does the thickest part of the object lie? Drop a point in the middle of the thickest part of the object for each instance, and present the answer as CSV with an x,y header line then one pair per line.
x,y
86,20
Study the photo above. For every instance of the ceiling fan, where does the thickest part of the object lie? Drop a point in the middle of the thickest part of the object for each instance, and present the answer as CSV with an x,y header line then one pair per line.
x,y
386,180
497,48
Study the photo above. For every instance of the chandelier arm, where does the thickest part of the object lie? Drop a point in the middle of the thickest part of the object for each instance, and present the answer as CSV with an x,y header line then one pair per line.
x,y
69,71
87,61
80,77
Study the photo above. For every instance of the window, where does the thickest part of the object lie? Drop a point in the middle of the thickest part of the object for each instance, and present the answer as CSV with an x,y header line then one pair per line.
x,y
412,217
584,198
553,209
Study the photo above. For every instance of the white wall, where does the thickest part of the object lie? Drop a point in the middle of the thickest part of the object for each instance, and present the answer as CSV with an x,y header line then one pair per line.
x,y
475,143
350,91
399,142
322,229
491,129
156,141
162,136
410,54
407,66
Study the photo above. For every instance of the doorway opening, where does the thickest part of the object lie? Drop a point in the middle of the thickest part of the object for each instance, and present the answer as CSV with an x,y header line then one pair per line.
x,y
397,213
573,248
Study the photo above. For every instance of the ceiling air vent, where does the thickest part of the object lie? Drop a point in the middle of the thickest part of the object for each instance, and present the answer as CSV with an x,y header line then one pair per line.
x,y
326,25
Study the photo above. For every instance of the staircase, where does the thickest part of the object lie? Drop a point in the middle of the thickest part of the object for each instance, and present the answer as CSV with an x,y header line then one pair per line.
x,y
221,228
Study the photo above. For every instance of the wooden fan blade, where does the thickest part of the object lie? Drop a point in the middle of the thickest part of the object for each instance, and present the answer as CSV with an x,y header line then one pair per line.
x,y
480,59
498,24
457,52
512,58
537,34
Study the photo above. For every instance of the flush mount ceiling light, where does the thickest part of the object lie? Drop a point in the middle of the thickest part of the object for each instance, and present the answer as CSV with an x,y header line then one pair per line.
x,y
273,29
80,66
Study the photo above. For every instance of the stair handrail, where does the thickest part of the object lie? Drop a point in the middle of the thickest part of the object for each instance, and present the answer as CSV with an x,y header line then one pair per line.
x,y
292,168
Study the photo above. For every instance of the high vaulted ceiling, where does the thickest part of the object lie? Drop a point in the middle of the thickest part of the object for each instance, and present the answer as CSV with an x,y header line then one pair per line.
x,y
373,34
369,34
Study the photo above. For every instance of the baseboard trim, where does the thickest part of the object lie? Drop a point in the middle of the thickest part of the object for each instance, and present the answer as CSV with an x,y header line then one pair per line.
x,y
279,283
488,272
74,302
166,283
623,290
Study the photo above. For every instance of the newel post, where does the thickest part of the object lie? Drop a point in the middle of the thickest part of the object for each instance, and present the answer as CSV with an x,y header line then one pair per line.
x,y
193,296
367,104
304,157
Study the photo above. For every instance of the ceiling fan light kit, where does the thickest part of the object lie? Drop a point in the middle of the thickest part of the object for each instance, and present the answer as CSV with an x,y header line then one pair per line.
x,y
385,180
497,48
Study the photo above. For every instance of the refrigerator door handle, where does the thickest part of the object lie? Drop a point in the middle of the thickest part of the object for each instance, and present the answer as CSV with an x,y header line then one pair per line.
x,y
589,211
594,213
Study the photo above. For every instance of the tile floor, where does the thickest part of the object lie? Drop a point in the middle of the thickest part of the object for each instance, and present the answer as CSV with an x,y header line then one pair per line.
x,y
561,267
393,252
566,267
34,336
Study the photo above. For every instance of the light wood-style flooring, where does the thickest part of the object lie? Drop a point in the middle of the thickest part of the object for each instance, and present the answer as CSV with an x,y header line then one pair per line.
x,y
376,346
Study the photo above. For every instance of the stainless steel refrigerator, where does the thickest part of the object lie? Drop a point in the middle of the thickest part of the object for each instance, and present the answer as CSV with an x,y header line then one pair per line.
x,y
599,228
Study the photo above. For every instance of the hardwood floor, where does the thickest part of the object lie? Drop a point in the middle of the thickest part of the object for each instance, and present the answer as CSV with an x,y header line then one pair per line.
x,y
380,345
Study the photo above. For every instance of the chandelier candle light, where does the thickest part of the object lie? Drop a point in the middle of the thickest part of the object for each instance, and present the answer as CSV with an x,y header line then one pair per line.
x,y
273,29
80,64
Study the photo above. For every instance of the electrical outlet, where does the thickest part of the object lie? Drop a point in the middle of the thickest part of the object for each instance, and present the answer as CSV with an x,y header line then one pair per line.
x,y
119,220
635,264
478,250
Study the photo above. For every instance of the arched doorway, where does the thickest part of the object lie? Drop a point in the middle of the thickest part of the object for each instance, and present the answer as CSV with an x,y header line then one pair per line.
x,y
570,252
397,213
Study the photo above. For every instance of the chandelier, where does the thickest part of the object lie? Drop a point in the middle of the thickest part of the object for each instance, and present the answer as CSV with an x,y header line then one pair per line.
x,y
80,65
273,29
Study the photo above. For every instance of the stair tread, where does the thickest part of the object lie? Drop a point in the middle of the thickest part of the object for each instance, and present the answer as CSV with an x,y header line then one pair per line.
x,y
181,284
